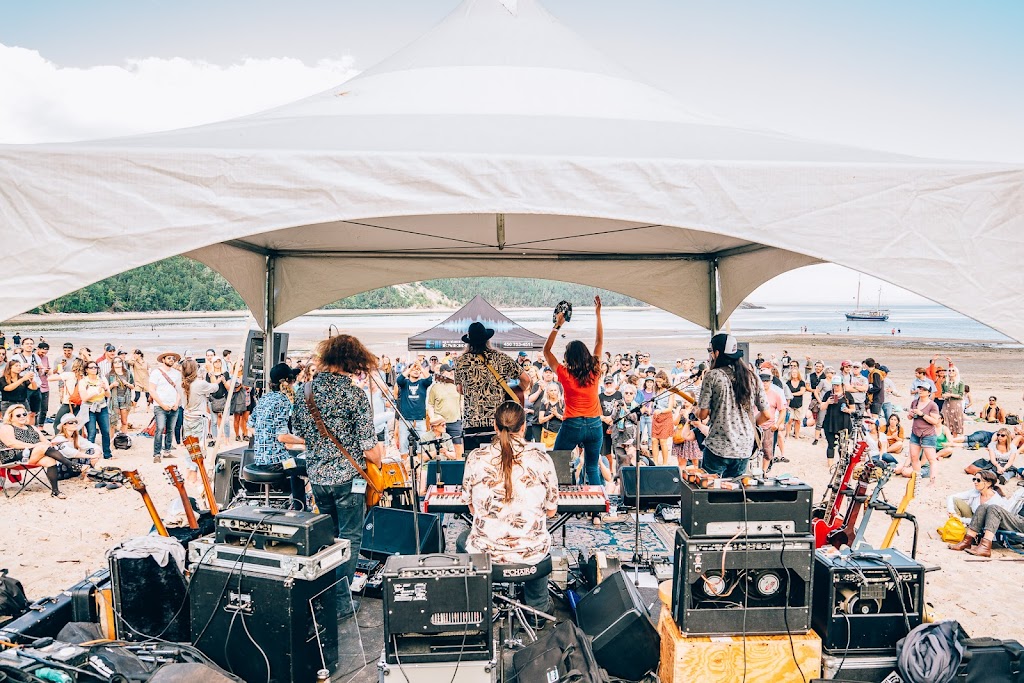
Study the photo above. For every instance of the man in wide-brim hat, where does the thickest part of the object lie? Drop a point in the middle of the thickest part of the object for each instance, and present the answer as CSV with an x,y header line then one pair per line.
x,y
477,373
165,390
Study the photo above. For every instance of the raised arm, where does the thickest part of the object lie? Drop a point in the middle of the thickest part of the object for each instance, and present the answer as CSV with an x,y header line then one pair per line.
x,y
548,355
599,338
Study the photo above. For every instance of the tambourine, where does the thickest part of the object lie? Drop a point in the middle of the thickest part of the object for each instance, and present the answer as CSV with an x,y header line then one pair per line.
x,y
563,307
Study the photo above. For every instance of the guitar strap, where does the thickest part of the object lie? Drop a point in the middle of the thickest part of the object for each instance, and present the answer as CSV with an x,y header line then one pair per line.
x,y
500,380
314,412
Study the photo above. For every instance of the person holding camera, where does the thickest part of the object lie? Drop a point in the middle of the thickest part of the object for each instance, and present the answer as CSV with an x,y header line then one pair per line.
x,y
16,384
734,400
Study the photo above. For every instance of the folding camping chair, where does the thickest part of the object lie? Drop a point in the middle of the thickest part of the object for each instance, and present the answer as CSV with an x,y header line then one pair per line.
x,y
16,477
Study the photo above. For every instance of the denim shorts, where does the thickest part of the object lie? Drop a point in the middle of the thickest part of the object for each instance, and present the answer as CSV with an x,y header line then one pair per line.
x,y
923,441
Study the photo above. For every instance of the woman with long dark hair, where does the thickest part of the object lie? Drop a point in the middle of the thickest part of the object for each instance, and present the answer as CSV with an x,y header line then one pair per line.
x,y
511,489
582,425
730,395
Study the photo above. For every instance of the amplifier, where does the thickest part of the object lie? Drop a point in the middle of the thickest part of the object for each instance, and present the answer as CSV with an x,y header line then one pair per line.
x,y
389,531
270,528
721,512
437,608
753,586
252,356
275,563
455,671
859,606
245,621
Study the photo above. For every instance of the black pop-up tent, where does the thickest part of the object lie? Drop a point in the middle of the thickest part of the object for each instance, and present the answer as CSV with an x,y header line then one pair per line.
x,y
448,334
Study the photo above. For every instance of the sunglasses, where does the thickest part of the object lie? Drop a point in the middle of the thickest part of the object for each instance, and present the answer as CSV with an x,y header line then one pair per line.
x,y
20,415
978,480
92,367
71,422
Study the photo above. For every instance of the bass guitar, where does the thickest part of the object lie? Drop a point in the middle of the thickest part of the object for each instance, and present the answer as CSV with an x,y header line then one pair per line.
x,y
848,532
174,478
136,481
195,452
831,518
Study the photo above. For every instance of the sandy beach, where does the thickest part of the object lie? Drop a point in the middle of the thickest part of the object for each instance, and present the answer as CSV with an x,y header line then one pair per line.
x,y
50,544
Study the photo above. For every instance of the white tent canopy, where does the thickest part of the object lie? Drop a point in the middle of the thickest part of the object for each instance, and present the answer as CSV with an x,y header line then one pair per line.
x,y
500,144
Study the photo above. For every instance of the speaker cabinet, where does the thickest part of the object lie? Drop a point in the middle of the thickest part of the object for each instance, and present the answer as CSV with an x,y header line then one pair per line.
x,y
658,485
149,600
226,471
238,618
252,359
389,531
626,640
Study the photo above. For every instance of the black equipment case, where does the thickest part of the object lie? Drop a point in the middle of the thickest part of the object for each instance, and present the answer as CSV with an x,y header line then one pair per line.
x,y
48,616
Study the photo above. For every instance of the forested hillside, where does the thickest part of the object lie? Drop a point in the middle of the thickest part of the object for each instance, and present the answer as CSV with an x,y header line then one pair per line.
x,y
181,284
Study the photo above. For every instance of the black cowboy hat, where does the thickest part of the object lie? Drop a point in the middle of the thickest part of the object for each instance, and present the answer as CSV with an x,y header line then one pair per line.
x,y
477,334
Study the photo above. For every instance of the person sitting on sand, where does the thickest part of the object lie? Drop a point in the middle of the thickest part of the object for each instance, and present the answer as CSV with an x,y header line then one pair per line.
x,y
894,434
1001,455
986,491
70,442
991,412
986,521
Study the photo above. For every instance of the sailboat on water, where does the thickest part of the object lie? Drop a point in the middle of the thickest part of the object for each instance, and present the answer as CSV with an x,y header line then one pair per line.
x,y
878,314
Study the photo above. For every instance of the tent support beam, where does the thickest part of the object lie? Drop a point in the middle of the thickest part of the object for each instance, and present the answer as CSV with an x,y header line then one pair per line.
x,y
269,313
713,303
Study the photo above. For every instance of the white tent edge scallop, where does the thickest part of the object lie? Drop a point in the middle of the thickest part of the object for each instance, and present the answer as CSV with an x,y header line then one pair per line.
x,y
499,144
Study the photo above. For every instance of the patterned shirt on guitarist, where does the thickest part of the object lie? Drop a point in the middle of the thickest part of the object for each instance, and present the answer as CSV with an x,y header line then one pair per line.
x,y
346,413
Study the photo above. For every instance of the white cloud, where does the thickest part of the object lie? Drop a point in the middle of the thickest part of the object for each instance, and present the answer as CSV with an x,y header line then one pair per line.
x,y
43,102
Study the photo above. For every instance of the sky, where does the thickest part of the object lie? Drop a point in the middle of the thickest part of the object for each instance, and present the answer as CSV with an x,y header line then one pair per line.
x,y
932,78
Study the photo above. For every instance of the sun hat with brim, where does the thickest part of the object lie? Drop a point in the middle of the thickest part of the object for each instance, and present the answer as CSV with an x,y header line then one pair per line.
x,y
176,356
68,417
477,334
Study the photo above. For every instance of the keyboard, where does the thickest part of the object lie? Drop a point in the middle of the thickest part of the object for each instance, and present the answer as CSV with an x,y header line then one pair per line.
x,y
571,500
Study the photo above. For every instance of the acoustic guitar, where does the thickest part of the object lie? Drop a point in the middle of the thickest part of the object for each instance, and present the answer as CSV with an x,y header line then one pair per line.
x,y
832,518
195,452
174,478
136,481
845,534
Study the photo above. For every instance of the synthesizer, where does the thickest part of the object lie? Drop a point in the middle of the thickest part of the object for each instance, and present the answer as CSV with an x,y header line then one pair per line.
x,y
571,500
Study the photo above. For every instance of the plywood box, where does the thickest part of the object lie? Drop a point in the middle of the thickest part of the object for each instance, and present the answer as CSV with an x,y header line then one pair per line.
x,y
769,659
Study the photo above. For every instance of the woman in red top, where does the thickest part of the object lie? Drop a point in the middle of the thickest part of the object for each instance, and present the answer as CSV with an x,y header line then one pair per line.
x,y
582,424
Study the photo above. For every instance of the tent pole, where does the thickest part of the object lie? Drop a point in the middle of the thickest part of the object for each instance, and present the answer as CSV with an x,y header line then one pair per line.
x,y
713,304
269,313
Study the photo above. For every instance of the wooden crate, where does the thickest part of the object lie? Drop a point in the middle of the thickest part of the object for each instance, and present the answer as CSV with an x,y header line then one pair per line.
x,y
701,659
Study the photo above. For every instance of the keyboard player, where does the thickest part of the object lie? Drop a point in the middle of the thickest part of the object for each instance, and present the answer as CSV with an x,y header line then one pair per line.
x,y
511,488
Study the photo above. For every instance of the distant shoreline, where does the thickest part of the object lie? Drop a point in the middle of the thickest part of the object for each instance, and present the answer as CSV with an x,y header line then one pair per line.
x,y
759,337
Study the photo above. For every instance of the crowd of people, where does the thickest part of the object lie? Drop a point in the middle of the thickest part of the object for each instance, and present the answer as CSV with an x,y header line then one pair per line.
x,y
724,413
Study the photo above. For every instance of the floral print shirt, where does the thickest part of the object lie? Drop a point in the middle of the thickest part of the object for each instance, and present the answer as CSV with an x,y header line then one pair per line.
x,y
346,413
510,531
732,428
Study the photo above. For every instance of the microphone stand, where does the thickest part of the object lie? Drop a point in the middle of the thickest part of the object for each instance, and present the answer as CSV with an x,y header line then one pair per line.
x,y
637,556
414,444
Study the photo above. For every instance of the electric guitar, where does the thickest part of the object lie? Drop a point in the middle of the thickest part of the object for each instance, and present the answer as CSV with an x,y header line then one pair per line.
x,y
875,502
832,519
195,451
845,535
136,481
901,508
174,478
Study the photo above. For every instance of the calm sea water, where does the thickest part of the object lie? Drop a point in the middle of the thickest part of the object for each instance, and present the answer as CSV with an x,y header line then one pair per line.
x,y
911,321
